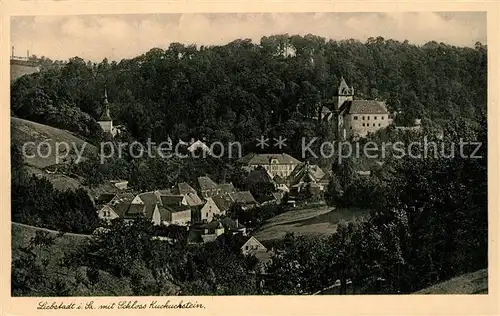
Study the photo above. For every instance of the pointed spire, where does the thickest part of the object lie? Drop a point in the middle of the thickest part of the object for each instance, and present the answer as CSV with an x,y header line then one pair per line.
x,y
105,99
105,116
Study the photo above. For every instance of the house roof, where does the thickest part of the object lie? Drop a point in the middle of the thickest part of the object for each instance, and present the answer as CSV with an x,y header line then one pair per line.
x,y
192,199
248,238
123,197
149,210
167,200
258,175
121,208
185,188
149,197
265,159
206,183
135,209
226,187
230,224
244,197
223,204
363,107
104,198
177,208
306,172
212,225
198,145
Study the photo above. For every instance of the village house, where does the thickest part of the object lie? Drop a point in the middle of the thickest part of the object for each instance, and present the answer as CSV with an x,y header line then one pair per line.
x,y
307,174
274,164
179,215
233,227
357,118
223,203
251,246
244,198
208,188
208,211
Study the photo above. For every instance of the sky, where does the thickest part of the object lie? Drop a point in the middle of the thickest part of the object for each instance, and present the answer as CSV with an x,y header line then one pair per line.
x,y
95,37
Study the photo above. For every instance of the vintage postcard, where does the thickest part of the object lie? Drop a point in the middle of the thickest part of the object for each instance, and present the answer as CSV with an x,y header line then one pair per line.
x,y
250,161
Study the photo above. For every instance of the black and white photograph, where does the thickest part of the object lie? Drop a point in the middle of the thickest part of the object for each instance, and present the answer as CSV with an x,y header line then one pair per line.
x,y
244,154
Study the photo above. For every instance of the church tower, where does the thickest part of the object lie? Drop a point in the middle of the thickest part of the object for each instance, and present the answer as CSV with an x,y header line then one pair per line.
x,y
105,120
344,93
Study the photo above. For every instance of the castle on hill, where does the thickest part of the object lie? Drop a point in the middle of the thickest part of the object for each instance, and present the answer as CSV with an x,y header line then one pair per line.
x,y
357,118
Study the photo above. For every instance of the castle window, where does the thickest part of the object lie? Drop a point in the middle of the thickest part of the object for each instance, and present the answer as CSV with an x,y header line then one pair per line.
x,y
374,117
363,120
355,117
368,117
363,124
382,118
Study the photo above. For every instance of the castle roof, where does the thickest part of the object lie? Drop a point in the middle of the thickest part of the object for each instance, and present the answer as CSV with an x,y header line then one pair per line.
x,y
363,107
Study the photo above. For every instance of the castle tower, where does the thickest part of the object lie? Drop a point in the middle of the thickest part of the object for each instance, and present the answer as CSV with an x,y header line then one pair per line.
x,y
344,93
105,120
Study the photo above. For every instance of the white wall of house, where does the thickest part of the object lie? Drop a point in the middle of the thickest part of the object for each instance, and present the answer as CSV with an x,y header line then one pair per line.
x,y
107,213
181,218
252,245
209,210
137,200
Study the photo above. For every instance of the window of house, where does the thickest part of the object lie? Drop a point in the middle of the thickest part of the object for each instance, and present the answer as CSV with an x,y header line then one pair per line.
x,y
246,247
382,118
378,124
373,124
207,214
363,124
355,117
351,127
374,117
368,118
363,118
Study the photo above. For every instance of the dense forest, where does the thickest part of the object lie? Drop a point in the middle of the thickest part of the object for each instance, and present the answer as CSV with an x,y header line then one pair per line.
x,y
242,90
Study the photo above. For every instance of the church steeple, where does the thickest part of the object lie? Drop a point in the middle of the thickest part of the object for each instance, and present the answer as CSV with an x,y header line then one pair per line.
x,y
105,116
345,93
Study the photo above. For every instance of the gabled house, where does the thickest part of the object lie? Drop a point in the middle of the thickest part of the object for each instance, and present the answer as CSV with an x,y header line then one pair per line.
x,y
208,188
208,211
176,215
244,198
251,246
226,188
311,175
233,227
107,213
223,204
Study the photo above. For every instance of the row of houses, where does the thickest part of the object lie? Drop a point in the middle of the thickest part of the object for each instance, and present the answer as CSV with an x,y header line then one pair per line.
x,y
181,205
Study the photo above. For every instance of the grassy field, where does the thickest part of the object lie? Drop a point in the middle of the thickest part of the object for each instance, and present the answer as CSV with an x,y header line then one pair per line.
x,y
318,221
24,131
66,244
470,283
